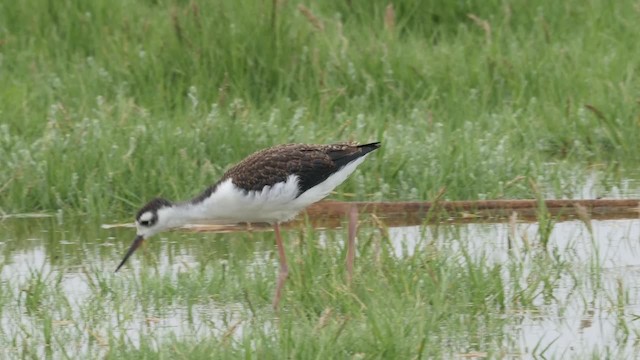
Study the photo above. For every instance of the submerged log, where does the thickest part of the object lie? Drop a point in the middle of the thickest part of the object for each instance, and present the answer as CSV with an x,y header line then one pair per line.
x,y
332,214
486,209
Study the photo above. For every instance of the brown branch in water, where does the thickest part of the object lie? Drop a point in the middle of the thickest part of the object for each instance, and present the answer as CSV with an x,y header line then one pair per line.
x,y
331,214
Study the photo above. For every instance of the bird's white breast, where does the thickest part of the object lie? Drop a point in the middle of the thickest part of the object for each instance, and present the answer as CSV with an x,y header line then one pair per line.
x,y
230,204
277,203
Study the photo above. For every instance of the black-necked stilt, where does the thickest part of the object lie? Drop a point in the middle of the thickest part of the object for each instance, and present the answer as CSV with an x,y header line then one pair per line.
x,y
270,186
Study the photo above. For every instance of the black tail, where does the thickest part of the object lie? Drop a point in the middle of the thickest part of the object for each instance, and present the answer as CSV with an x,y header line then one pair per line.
x,y
317,169
343,157
367,148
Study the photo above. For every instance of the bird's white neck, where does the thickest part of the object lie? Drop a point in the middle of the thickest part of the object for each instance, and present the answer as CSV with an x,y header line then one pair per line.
x,y
230,205
182,214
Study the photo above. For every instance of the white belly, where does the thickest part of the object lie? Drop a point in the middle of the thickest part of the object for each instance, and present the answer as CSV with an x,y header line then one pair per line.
x,y
277,203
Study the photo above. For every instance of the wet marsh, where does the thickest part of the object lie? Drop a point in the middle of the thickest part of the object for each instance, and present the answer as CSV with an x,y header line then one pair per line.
x,y
106,104
489,289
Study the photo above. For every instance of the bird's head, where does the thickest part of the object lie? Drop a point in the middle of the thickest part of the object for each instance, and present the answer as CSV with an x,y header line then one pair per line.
x,y
150,220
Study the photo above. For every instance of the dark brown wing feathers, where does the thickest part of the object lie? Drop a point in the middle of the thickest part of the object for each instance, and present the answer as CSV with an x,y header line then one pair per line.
x,y
312,163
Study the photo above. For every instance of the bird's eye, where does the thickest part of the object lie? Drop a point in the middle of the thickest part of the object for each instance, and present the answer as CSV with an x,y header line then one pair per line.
x,y
145,222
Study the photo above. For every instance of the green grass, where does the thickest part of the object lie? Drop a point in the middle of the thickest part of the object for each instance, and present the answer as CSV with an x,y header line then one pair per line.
x,y
438,301
458,291
105,104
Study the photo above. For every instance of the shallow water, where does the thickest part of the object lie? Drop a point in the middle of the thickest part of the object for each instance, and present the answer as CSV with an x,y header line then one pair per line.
x,y
579,323
44,250
592,308
605,260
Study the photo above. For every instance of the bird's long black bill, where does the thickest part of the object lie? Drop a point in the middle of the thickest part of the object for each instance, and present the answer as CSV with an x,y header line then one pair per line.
x,y
136,243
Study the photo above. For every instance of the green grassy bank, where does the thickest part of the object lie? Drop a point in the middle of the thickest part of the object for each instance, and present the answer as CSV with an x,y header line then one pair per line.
x,y
105,104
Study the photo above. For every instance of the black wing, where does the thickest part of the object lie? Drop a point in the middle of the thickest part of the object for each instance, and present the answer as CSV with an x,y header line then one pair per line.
x,y
327,160
312,163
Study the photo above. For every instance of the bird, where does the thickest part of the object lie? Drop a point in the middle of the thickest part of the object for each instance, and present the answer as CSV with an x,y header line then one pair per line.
x,y
272,186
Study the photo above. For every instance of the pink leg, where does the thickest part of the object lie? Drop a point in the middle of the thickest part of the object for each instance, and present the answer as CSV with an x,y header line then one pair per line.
x,y
351,245
284,269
